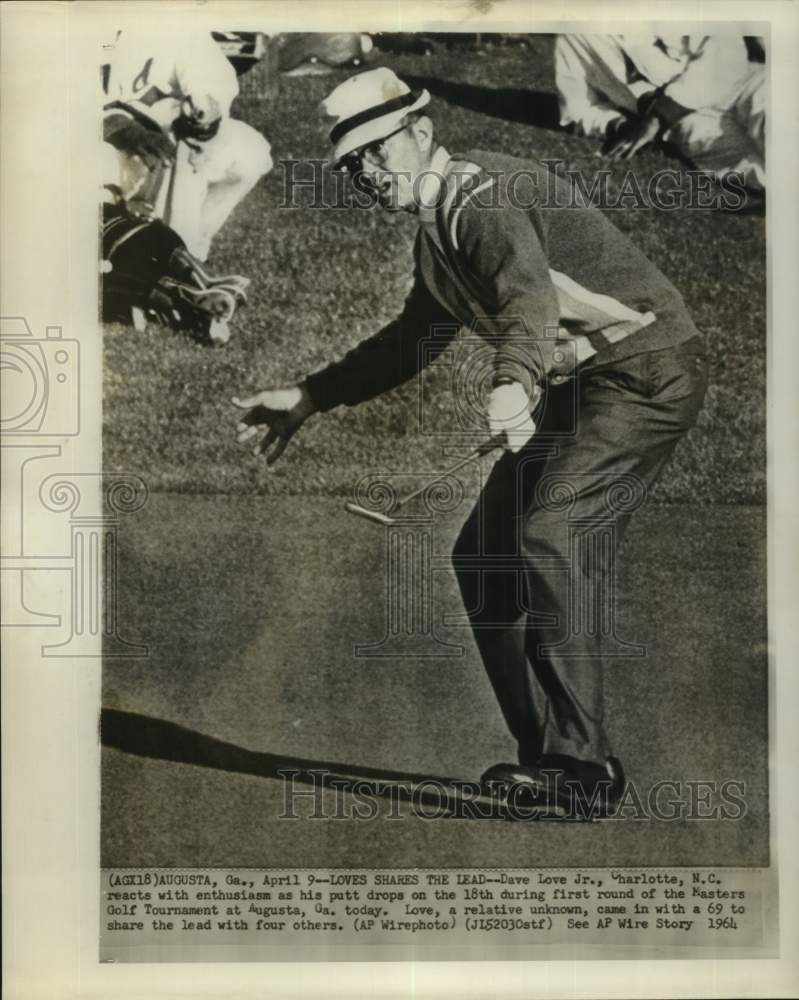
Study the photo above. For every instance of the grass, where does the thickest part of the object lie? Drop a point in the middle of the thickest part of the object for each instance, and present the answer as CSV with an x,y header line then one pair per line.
x,y
251,608
251,605
323,280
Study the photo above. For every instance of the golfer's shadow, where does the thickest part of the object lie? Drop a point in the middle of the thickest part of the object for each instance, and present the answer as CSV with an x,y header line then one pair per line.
x,y
529,107
161,740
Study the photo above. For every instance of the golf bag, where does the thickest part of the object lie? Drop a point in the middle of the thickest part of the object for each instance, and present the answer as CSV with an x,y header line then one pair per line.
x,y
149,275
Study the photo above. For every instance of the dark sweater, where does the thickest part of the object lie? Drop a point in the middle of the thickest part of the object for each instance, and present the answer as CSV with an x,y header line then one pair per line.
x,y
511,253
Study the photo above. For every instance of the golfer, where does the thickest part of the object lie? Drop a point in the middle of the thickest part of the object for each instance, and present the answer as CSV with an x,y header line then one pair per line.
x,y
590,341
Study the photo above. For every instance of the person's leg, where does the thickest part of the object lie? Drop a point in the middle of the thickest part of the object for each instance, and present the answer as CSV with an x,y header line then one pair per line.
x,y
730,136
591,74
491,573
182,199
237,158
536,552
211,178
631,417
490,566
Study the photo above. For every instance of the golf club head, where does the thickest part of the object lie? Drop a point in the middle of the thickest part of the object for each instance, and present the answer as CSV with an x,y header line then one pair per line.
x,y
370,515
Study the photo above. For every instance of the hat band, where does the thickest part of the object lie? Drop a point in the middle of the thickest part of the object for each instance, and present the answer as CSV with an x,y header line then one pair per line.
x,y
396,104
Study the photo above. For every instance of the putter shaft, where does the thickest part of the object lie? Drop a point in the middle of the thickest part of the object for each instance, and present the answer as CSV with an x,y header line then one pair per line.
x,y
379,518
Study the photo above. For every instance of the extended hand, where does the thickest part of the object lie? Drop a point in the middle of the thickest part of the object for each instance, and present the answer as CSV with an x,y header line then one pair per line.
x,y
283,411
508,411
629,137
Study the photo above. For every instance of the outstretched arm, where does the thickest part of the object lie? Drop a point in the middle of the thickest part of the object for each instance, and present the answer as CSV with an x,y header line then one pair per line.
x,y
392,356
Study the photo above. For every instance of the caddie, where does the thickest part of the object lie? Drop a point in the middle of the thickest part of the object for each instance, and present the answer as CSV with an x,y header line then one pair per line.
x,y
173,150
703,94
573,311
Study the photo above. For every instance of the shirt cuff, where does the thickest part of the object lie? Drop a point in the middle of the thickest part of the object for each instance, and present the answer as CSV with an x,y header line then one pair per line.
x,y
320,387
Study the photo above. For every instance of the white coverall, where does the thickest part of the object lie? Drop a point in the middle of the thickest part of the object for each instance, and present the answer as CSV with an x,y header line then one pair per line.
x,y
162,77
721,93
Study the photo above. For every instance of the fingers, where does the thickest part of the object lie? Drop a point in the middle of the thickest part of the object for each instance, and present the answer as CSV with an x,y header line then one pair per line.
x,y
251,424
272,408
268,440
630,140
627,151
642,142
621,151
257,417
277,451
630,149
618,138
274,441
246,432
627,148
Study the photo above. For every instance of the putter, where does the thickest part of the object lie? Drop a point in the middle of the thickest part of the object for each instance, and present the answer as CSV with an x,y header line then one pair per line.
x,y
373,515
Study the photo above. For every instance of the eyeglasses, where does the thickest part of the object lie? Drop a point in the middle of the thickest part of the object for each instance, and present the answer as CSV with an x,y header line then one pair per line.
x,y
376,152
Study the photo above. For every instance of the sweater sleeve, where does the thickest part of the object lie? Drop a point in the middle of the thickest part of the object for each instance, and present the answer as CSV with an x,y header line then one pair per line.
x,y
504,252
392,356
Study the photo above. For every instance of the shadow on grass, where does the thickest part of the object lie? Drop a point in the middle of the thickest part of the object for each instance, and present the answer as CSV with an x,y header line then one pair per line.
x,y
529,107
161,740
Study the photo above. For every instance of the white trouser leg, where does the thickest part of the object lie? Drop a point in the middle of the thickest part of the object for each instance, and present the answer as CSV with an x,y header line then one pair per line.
x,y
591,76
212,180
729,136
185,194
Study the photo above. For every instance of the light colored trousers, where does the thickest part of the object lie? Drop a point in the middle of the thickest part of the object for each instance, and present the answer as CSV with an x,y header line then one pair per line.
x,y
196,196
599,77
